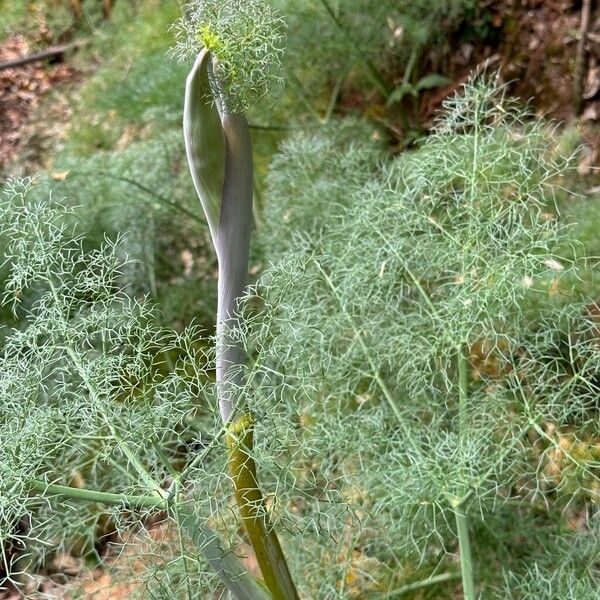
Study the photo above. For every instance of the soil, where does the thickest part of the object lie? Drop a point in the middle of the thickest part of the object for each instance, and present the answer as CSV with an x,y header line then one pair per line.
x,y
22,136
531,43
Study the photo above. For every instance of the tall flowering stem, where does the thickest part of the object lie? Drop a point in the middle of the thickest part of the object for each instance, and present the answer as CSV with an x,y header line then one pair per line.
x,y
219,151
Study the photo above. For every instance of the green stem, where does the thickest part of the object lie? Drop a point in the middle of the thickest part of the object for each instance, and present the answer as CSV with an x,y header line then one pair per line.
x,y
95,496
460,509
463,391
228,568
165,202
466,559
223,561
253,512
419,585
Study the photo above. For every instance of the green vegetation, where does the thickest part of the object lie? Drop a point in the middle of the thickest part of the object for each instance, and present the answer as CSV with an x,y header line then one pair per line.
x,y
401,401
395,337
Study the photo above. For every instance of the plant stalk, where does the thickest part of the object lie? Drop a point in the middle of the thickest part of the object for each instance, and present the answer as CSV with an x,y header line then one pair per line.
x,y
233,246
463,392
419,585
460,508
466,559
151,502
253,511
225,564
219,151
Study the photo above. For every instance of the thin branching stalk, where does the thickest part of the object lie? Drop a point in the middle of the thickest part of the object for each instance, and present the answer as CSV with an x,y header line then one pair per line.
x,y
420,585
52,489
226,566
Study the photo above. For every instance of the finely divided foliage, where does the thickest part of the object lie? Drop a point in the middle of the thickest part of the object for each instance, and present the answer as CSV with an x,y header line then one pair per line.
x,y
85,392
410,398
398,376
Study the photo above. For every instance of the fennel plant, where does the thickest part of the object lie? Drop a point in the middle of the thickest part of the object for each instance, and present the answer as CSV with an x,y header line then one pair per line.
x,y
238,47
407,351
413,379
90,385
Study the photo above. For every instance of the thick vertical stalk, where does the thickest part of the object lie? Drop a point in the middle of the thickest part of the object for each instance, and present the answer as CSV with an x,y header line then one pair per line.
x,y
253,511
219,151
460,507
233,246
463,391
466,558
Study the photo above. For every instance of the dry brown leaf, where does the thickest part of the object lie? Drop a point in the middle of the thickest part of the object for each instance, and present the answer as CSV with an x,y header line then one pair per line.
x,y
60,175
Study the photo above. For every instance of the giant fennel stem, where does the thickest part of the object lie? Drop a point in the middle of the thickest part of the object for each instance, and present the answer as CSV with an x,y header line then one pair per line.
x,y
219,152
460,506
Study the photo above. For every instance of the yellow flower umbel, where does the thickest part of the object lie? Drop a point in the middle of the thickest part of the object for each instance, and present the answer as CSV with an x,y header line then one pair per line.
x,y
245,38
209,39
